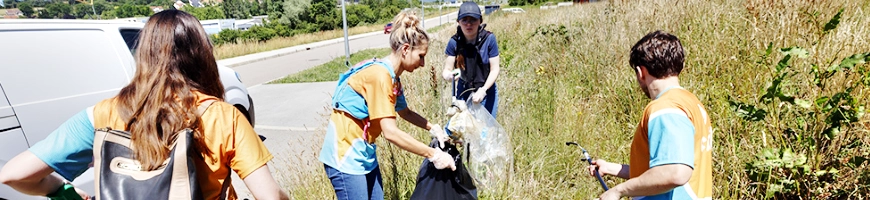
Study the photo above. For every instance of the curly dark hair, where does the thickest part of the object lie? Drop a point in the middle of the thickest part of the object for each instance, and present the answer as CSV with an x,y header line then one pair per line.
x,y
660,52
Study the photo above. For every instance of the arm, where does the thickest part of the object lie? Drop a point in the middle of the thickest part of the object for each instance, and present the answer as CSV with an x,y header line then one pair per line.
x,y
493,73
27,174
67,151
494,62
654,181
401,139
671,150
449,62
263,186
415,118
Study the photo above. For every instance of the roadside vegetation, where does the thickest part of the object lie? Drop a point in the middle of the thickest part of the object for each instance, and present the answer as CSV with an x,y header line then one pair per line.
x,y
267,38
288,22
785,83
330,71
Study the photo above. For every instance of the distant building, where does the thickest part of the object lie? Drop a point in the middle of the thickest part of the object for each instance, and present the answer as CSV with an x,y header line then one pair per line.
x,y
178,5
245,24
13,13
156,9
196,3
217,25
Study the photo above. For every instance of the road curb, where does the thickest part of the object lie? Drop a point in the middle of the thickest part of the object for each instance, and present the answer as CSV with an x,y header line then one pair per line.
x,y
241,60
256,57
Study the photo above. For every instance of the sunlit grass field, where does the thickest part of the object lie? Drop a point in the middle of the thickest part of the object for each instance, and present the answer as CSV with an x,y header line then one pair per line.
x,y
565,77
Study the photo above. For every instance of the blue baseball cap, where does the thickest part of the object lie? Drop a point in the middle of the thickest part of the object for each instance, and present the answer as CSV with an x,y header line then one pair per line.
x,y
469,9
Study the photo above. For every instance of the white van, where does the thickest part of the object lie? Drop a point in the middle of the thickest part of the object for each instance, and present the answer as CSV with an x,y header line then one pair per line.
x,y
513,10
53,69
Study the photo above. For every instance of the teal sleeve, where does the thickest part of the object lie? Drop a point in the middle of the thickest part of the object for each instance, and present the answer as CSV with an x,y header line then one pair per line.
x,y
401,104
69,149
671,140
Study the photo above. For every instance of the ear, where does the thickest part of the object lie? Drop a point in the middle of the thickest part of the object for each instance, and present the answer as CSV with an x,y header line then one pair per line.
x,y
405,49
641,72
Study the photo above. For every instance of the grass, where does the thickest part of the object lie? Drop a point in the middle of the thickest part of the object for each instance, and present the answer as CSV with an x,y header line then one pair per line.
x,y
574,84
330,70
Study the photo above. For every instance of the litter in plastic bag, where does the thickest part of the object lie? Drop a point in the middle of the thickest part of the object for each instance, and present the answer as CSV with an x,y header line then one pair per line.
x,y
433,183
488,148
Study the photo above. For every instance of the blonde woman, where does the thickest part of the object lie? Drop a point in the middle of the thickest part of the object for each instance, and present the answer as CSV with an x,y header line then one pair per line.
x,y
366,102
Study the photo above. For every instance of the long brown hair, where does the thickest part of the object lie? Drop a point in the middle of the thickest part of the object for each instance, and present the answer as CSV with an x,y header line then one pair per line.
x,y
173,58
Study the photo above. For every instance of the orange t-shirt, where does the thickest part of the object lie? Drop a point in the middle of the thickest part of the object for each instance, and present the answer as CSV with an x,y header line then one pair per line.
x,y
675,129
227,134
347,147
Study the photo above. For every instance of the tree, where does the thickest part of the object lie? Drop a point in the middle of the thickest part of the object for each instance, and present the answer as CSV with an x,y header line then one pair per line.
x,y
26,8
81,10
237,9
292,12
100,6
55,10
359,14
256,8
323,14
205,13
7,4
274,8
259,33
131,10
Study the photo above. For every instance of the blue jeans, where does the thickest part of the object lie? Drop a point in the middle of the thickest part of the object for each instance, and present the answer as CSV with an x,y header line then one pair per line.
x,y
354,187
490,102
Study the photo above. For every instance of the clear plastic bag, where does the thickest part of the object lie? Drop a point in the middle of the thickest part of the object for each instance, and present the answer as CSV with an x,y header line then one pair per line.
x,y
487,145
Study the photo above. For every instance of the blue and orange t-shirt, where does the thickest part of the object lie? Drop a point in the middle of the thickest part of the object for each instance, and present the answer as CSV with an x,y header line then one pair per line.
x,y
675,129
349,144
232,141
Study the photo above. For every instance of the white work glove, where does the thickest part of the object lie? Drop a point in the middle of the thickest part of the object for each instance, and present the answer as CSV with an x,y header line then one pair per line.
x,y
442,160
437,132
478,96
450,75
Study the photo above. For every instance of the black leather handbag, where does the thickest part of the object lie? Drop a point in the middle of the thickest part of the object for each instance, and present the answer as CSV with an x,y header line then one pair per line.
x,y
119,175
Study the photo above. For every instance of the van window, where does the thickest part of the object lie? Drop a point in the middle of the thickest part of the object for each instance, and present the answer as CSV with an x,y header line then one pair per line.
x,y
131,37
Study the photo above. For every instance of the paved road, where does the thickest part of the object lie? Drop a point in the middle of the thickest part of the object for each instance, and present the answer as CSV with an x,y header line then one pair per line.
x,y
293,116
267,70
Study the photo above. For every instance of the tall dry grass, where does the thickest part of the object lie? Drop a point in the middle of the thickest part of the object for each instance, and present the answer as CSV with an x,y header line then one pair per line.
x,y
565,77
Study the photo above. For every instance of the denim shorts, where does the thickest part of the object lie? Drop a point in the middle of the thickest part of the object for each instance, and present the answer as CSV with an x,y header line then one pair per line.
x,y
353,187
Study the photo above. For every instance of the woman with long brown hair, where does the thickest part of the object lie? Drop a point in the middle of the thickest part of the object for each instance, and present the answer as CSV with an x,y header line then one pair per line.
x,y
175,72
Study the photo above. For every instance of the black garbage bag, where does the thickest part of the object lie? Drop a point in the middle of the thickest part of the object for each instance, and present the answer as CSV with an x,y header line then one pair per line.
x,y
433,183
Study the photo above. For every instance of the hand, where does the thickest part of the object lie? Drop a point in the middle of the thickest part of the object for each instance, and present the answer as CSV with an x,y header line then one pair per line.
x,y
478,96
442,160
604,167
610,195
437,132
448,75
83,194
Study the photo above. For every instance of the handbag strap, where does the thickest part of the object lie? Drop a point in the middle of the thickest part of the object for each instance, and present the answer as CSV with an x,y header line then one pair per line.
x,y
204,106
228,180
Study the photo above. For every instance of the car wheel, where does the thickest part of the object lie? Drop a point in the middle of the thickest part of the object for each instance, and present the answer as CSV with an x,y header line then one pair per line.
x,y
249,113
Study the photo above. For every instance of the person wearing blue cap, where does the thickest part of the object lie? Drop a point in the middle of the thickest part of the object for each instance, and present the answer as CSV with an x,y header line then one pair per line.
x,y
474,51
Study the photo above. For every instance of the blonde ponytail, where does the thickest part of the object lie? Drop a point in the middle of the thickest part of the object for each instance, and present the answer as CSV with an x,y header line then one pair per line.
x,y
406,29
